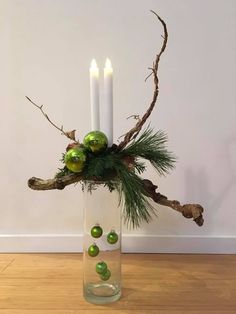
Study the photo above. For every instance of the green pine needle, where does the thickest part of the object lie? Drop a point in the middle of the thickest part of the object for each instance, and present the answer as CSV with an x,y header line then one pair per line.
x,y
151,146
135,203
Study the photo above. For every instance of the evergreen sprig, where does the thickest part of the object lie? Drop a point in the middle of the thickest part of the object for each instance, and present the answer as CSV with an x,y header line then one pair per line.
x,y
120,170
102,166
151,146
135,204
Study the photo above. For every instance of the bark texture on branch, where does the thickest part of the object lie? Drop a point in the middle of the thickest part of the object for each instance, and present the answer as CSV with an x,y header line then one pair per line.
x,y
194,211
53,184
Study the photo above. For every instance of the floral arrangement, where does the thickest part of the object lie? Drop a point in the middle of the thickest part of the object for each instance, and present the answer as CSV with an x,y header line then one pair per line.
x,y
119,167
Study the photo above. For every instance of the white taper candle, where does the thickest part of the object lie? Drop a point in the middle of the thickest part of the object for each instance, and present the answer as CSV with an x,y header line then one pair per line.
x,y
94,96
108,102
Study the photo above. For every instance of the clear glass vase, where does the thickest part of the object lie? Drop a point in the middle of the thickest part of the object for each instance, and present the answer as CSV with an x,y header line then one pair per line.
x,y
101,245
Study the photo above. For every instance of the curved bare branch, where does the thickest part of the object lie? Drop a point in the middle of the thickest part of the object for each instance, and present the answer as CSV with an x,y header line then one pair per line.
x,y
132,134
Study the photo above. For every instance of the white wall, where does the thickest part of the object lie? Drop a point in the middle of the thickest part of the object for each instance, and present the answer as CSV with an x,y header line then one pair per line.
x,y
46,48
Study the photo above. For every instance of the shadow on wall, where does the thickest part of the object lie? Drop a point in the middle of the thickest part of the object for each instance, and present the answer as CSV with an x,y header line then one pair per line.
x,y
197,183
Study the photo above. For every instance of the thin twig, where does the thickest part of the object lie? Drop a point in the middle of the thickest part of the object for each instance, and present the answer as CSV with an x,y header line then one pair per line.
x,y
132,134
135,116
70,134
148,76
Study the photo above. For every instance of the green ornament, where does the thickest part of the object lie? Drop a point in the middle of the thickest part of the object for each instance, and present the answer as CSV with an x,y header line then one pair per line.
x,y
112,237
101,267
96,142
105,276
93,250
75,159
96,232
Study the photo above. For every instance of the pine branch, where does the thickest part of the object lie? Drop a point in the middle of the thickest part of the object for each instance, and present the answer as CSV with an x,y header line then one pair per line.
x,y
136,207
102,166
151,146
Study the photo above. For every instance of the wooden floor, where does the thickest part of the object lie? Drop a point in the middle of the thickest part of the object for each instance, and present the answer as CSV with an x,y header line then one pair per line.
x,y
152,283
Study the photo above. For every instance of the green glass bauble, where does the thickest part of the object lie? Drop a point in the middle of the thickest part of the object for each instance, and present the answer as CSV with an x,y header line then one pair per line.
x,y
93,250
75,159
95,141
96,232
105,276
112,237
101,267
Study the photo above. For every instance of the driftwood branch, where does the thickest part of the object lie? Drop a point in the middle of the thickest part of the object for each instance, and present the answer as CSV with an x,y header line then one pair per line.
x,y
53,184
194,211
70,134
133,133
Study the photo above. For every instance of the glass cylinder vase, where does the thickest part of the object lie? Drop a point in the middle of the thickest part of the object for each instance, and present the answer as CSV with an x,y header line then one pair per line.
x,y
102,244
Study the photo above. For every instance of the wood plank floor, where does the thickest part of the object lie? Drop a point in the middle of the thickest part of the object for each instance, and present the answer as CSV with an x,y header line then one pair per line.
x,y
152,283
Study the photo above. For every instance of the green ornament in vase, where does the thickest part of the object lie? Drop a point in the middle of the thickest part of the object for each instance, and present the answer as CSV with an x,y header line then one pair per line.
x,y
96,232
101,261
112,237
101,267
106,275
93,250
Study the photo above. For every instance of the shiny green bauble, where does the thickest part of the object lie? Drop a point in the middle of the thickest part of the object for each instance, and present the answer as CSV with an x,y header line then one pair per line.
x,y
105,276
96,142
93,250
112,237
101,267
75,159
96,232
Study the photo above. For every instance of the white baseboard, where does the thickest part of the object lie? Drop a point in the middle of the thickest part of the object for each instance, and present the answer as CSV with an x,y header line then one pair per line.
x,y
31,243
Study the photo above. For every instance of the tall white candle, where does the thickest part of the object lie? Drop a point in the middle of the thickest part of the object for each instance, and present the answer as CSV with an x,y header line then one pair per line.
x,y
108,102
94,96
